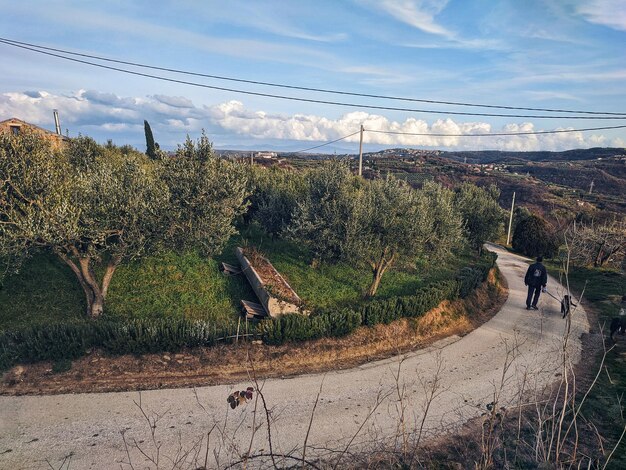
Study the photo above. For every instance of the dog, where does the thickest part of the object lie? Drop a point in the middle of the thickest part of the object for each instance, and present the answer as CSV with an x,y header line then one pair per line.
x,y
566,305
618,325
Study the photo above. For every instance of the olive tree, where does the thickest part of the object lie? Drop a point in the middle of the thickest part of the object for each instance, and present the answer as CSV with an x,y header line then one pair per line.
x,y
375,223
274,197
324,218
206,196
96,207
483,217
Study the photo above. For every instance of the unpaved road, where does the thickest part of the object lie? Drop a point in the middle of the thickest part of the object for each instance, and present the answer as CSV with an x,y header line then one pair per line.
x,y
85,430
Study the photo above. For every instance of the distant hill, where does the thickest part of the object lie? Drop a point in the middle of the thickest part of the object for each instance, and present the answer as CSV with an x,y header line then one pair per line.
x,y
496,156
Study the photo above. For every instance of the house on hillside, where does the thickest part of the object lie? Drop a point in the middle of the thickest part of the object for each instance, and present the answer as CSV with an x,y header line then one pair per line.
x,y
16,126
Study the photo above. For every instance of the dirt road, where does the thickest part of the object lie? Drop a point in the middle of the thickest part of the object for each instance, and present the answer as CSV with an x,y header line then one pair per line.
x,y
359,406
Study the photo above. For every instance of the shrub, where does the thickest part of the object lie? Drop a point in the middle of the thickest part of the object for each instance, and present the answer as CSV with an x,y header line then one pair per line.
x,y
71,340
533,237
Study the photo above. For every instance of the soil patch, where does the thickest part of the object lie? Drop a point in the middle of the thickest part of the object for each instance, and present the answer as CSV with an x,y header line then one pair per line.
x,y
230,363
273,280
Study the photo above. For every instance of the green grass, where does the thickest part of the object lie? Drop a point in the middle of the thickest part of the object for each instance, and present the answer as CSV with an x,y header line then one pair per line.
x,y
44,290
340,284
172,285
187,285
603,291
169,285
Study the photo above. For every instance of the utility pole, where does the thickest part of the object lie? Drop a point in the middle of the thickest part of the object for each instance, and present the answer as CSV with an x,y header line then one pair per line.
x,y
251,158
591,187
508,236
361,153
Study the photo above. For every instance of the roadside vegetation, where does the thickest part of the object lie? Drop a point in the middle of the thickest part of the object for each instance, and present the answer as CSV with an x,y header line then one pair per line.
x,y
104,241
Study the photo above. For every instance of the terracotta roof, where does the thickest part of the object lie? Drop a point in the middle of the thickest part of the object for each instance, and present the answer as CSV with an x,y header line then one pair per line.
x,y
28,124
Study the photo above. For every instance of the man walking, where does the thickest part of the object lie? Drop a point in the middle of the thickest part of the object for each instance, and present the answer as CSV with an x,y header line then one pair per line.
x,y
536,278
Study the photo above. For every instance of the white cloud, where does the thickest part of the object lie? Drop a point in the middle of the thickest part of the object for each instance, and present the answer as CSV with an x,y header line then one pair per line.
x,y
103,114
611,13
419,14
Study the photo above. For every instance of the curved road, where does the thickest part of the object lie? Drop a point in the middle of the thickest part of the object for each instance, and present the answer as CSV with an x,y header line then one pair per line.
x,y
359,406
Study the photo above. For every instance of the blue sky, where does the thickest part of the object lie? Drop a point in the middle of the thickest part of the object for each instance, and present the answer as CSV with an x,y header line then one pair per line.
x,y
564,54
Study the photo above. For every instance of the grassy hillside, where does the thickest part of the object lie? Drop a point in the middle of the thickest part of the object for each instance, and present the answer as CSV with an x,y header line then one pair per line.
x,y
190,286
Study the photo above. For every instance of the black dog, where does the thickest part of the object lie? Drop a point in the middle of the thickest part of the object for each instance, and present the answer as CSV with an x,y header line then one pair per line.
x,y
566,304
618,325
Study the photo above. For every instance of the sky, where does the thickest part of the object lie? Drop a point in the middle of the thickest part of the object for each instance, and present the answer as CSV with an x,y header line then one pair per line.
x,y
555,54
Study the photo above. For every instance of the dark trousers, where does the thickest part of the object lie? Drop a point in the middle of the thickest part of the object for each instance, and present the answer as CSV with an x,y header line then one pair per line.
x,y
533,290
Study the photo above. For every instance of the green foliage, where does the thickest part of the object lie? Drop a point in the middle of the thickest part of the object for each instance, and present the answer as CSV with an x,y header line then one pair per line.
x,y
128,334
482,215
340,322
324,219
97,207
375,223
206,195
151,146
533,237
71,340
274,197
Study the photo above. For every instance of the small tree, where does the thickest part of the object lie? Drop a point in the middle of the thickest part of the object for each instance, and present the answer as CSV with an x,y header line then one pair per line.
x,y
533,237
206,195
324,219
90,206
275,193
152,147
389,226
598,245
375,223
483,217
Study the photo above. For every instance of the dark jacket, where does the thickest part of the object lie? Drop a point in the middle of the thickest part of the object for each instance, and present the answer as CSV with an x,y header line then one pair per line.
x,y
536,275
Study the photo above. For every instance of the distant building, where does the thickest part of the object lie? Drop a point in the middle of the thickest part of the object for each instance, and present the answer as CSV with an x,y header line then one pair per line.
x,y
266,155
16,126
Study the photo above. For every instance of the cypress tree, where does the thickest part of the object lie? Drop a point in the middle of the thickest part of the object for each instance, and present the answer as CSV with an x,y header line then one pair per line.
x,y
151,146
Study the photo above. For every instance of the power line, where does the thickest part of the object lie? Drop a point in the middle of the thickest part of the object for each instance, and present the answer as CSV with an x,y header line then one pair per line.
x,y
302,88
496,134
327,143
299,99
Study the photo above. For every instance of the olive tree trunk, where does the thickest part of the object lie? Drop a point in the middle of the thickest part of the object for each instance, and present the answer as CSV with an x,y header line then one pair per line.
x,y
95,293
378,269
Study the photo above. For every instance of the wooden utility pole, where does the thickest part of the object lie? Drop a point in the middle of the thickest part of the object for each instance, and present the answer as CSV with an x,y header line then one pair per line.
x,y
361,153
508,236
251,158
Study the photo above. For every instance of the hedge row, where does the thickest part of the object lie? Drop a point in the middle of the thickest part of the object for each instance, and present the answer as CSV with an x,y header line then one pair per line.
x,y
341,322
71,340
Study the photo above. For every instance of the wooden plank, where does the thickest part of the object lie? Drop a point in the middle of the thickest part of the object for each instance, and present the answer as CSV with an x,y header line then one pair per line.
x,y
229,269
253,310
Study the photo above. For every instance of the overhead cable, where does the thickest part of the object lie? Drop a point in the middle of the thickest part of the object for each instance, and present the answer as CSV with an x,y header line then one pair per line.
x,y
302,88
326,143
496,134
300,99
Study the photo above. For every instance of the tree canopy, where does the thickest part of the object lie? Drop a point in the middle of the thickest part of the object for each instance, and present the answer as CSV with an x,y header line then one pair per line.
x,y
533,236
96,207
483,218
377,223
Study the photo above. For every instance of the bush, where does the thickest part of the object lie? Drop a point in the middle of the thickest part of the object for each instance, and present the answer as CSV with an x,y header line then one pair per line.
x,y
533,237
58,341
